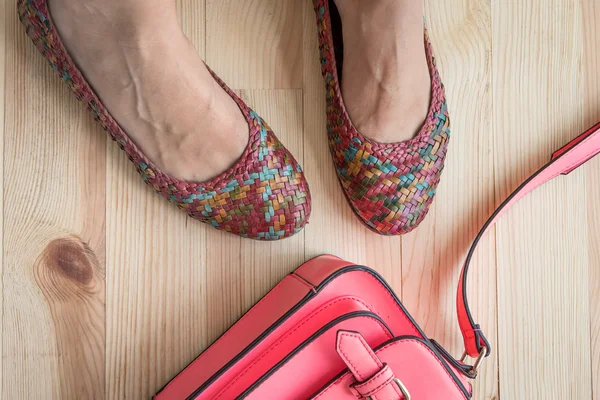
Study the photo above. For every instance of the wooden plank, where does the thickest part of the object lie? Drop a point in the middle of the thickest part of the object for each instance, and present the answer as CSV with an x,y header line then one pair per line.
x,y
255,44
53,277
156,281
242,270
591,76
191,18
333,227
3,28
156,285
593,193
433,254
542,250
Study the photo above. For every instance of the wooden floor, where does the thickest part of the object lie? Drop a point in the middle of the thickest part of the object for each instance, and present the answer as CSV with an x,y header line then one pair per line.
x,y
108,291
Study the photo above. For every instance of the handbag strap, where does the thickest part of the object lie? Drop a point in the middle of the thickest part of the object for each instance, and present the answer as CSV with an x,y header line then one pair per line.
x,y
563,161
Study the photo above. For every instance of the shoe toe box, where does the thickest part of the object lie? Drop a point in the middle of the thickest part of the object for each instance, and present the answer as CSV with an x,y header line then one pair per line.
x,y
267,199
390,187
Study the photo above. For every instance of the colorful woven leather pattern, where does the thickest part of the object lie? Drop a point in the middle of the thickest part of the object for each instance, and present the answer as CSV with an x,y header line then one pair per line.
x,y
263,196
389,186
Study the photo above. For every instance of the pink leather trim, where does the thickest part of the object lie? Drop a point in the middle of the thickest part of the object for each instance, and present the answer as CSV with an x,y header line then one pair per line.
x,y
575,141
317,269
565,160
379,290
357,355
374,385
263,358
303,281
414,364
374,379
315,364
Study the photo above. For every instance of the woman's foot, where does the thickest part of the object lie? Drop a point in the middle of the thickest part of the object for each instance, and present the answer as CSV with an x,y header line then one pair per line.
x,y
153,82
385,82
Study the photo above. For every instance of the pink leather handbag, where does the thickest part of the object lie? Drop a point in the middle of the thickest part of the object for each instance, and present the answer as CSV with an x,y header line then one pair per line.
x,y
335,330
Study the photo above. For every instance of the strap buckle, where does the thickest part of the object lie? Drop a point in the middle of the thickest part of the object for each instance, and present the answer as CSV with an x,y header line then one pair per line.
x,y
475,368
402,388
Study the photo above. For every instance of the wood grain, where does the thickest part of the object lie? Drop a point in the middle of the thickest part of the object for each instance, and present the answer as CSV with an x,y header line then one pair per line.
x,y
434,253
333,228
53,276
3,29
157,286
593,177
191,15
261,36
242,271
108,291
591,77
542,254
255,44
71,279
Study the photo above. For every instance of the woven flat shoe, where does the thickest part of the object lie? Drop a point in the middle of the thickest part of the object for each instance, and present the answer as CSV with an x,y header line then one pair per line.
x,y
389,186
263,196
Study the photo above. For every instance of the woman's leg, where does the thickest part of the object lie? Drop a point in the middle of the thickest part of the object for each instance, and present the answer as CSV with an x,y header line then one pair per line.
x,y
385,77
154,83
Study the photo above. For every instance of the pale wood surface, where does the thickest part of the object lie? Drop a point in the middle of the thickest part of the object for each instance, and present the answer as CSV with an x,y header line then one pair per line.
x,y
591,108
2,74
108,291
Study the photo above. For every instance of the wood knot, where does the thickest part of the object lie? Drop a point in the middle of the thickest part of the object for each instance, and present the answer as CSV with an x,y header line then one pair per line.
x,y
72,281
70,257
68,267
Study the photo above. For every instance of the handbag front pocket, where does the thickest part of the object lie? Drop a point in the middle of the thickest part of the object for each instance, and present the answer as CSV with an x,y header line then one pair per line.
x,y
311,364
